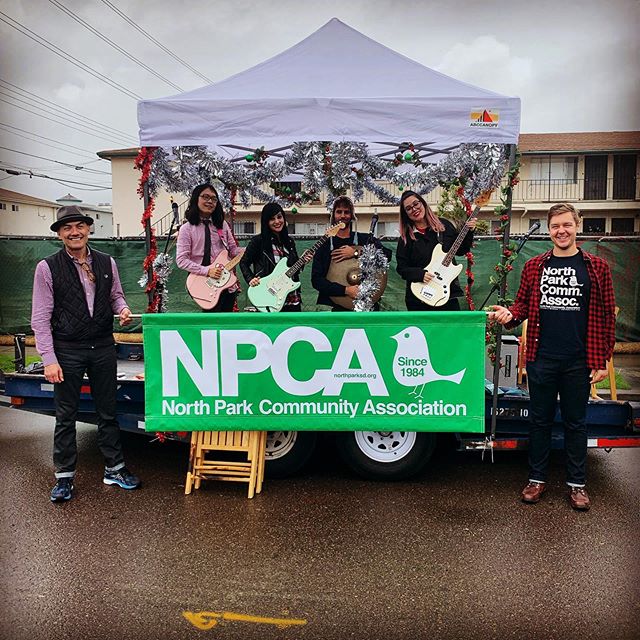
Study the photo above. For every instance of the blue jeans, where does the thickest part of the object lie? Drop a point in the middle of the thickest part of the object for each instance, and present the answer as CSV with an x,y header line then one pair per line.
x,y
568,378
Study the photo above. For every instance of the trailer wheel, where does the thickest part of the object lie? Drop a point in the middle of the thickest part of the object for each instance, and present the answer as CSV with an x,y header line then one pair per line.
x,y
386,455
288,451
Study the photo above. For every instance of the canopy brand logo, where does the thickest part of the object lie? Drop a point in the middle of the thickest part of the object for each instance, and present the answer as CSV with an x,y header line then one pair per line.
x,y
486,118
216,372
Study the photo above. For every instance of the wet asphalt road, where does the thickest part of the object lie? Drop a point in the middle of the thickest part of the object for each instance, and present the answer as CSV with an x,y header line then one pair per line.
x,y
453,554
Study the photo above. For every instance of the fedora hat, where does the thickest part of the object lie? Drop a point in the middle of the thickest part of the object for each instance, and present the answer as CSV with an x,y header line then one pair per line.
x,y
70,214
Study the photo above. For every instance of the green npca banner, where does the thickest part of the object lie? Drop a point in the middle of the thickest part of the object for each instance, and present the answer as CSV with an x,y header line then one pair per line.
x,y
380,371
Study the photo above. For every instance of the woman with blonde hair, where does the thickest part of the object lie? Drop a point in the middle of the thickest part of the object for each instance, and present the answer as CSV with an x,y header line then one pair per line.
x,y
420,231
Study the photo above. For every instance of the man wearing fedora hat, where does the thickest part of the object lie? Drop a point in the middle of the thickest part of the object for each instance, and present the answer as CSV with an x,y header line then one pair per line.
x,y
76,292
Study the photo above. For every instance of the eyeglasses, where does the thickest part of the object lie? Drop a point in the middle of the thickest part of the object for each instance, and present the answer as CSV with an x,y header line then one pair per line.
x,y
208,198
413,207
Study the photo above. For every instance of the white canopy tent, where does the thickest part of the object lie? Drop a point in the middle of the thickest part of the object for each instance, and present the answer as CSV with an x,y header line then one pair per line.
x,y
338,85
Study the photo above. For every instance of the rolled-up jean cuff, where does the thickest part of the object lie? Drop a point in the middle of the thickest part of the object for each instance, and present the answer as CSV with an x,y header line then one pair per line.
x,y
577,486
116,468
64,474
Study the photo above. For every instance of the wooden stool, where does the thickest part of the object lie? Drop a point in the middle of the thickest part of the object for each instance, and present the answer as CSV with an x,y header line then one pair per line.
x,y
522,354
202,467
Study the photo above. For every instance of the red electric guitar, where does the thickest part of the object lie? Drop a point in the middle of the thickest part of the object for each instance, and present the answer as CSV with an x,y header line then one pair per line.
x,y
206,290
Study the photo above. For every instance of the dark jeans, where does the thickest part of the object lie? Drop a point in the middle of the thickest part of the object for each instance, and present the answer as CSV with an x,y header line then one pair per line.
x,y
100,365
547,379
413,304
225,303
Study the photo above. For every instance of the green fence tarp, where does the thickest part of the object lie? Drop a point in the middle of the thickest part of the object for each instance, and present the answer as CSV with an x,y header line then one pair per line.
x,y
19,257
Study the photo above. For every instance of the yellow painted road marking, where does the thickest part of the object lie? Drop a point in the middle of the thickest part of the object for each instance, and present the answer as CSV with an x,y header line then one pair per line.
x,y
206,620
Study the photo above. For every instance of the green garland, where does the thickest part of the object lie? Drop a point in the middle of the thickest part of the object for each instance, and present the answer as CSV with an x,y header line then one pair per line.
x,y
508,257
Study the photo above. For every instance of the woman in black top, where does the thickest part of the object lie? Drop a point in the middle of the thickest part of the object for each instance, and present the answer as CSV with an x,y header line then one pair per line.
x,y
420,231
265,250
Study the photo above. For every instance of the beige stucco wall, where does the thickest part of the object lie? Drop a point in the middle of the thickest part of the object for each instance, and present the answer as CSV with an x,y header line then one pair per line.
x,y
29,220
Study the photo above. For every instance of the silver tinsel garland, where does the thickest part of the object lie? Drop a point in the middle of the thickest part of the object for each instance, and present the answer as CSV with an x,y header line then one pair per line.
x,y
351,166
373,265
162,266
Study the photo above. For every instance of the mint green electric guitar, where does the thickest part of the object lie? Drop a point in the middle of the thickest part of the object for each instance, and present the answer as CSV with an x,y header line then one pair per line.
x,y
272,292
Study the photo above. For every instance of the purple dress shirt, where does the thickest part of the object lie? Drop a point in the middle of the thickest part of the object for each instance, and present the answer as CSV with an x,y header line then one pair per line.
x,y
42,304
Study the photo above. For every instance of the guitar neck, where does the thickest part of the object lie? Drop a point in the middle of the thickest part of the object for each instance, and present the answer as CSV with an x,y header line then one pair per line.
x,y
451,254
234,261
299,263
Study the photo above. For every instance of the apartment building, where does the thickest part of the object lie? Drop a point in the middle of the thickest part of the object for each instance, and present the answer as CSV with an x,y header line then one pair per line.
x,y
596,171
25,215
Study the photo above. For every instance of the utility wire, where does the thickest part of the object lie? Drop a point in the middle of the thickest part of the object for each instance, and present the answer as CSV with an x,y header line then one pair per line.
x,y
66,56
65,164
147,35
60,180
64,124
112,44
59,172
10,126
35,97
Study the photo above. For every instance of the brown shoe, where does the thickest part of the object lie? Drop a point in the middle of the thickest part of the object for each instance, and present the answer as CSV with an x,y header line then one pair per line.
x,y
579,498
532,492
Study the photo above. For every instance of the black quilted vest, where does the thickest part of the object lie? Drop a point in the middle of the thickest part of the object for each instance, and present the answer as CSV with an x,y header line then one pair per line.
x,y
71,323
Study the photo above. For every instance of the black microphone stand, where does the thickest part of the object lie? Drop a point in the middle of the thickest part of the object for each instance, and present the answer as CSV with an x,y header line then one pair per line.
x,y
174,219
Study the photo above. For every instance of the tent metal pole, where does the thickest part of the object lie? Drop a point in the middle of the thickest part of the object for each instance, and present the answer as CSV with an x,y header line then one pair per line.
x,y
502,292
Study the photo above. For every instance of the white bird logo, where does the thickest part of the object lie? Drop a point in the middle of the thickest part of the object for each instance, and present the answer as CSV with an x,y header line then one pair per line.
x,y
412,365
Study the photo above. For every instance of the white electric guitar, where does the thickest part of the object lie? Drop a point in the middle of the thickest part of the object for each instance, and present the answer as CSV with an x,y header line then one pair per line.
x,y
436,292
272,291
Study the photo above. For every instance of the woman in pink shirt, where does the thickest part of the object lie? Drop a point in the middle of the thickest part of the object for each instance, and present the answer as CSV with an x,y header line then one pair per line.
x,y
203,237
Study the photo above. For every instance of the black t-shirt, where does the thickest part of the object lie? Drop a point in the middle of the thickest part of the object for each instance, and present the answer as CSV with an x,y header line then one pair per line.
x,y
565,288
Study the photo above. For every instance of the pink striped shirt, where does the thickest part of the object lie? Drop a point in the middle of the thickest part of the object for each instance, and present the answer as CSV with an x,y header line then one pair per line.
x,y
42,303
190,248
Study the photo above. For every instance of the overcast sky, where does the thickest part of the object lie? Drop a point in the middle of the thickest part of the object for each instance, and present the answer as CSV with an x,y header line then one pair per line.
x,y
574,64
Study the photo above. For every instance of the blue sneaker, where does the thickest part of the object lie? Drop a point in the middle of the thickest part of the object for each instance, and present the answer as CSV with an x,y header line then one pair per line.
x,y
62,490
123,478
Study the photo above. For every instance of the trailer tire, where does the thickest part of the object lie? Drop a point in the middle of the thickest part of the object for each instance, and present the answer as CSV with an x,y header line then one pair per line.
x,y
386,455
288,451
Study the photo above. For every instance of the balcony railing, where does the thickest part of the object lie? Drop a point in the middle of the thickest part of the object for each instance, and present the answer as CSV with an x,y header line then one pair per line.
x,y
579,190
526,191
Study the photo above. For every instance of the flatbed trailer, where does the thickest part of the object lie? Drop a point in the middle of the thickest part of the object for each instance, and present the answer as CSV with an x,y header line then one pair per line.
x,y
373,455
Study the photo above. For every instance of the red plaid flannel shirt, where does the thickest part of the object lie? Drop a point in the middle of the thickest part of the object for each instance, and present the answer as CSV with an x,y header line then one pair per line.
x,y
601,314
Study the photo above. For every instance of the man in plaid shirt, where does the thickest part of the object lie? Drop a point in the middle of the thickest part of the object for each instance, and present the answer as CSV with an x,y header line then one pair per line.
x,y
566,295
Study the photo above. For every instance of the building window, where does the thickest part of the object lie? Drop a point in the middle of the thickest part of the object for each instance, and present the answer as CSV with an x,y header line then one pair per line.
x,y
285,189
622,226
244,227
624,176
387,230
555,168
310,228
594,225
15,207
3,206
